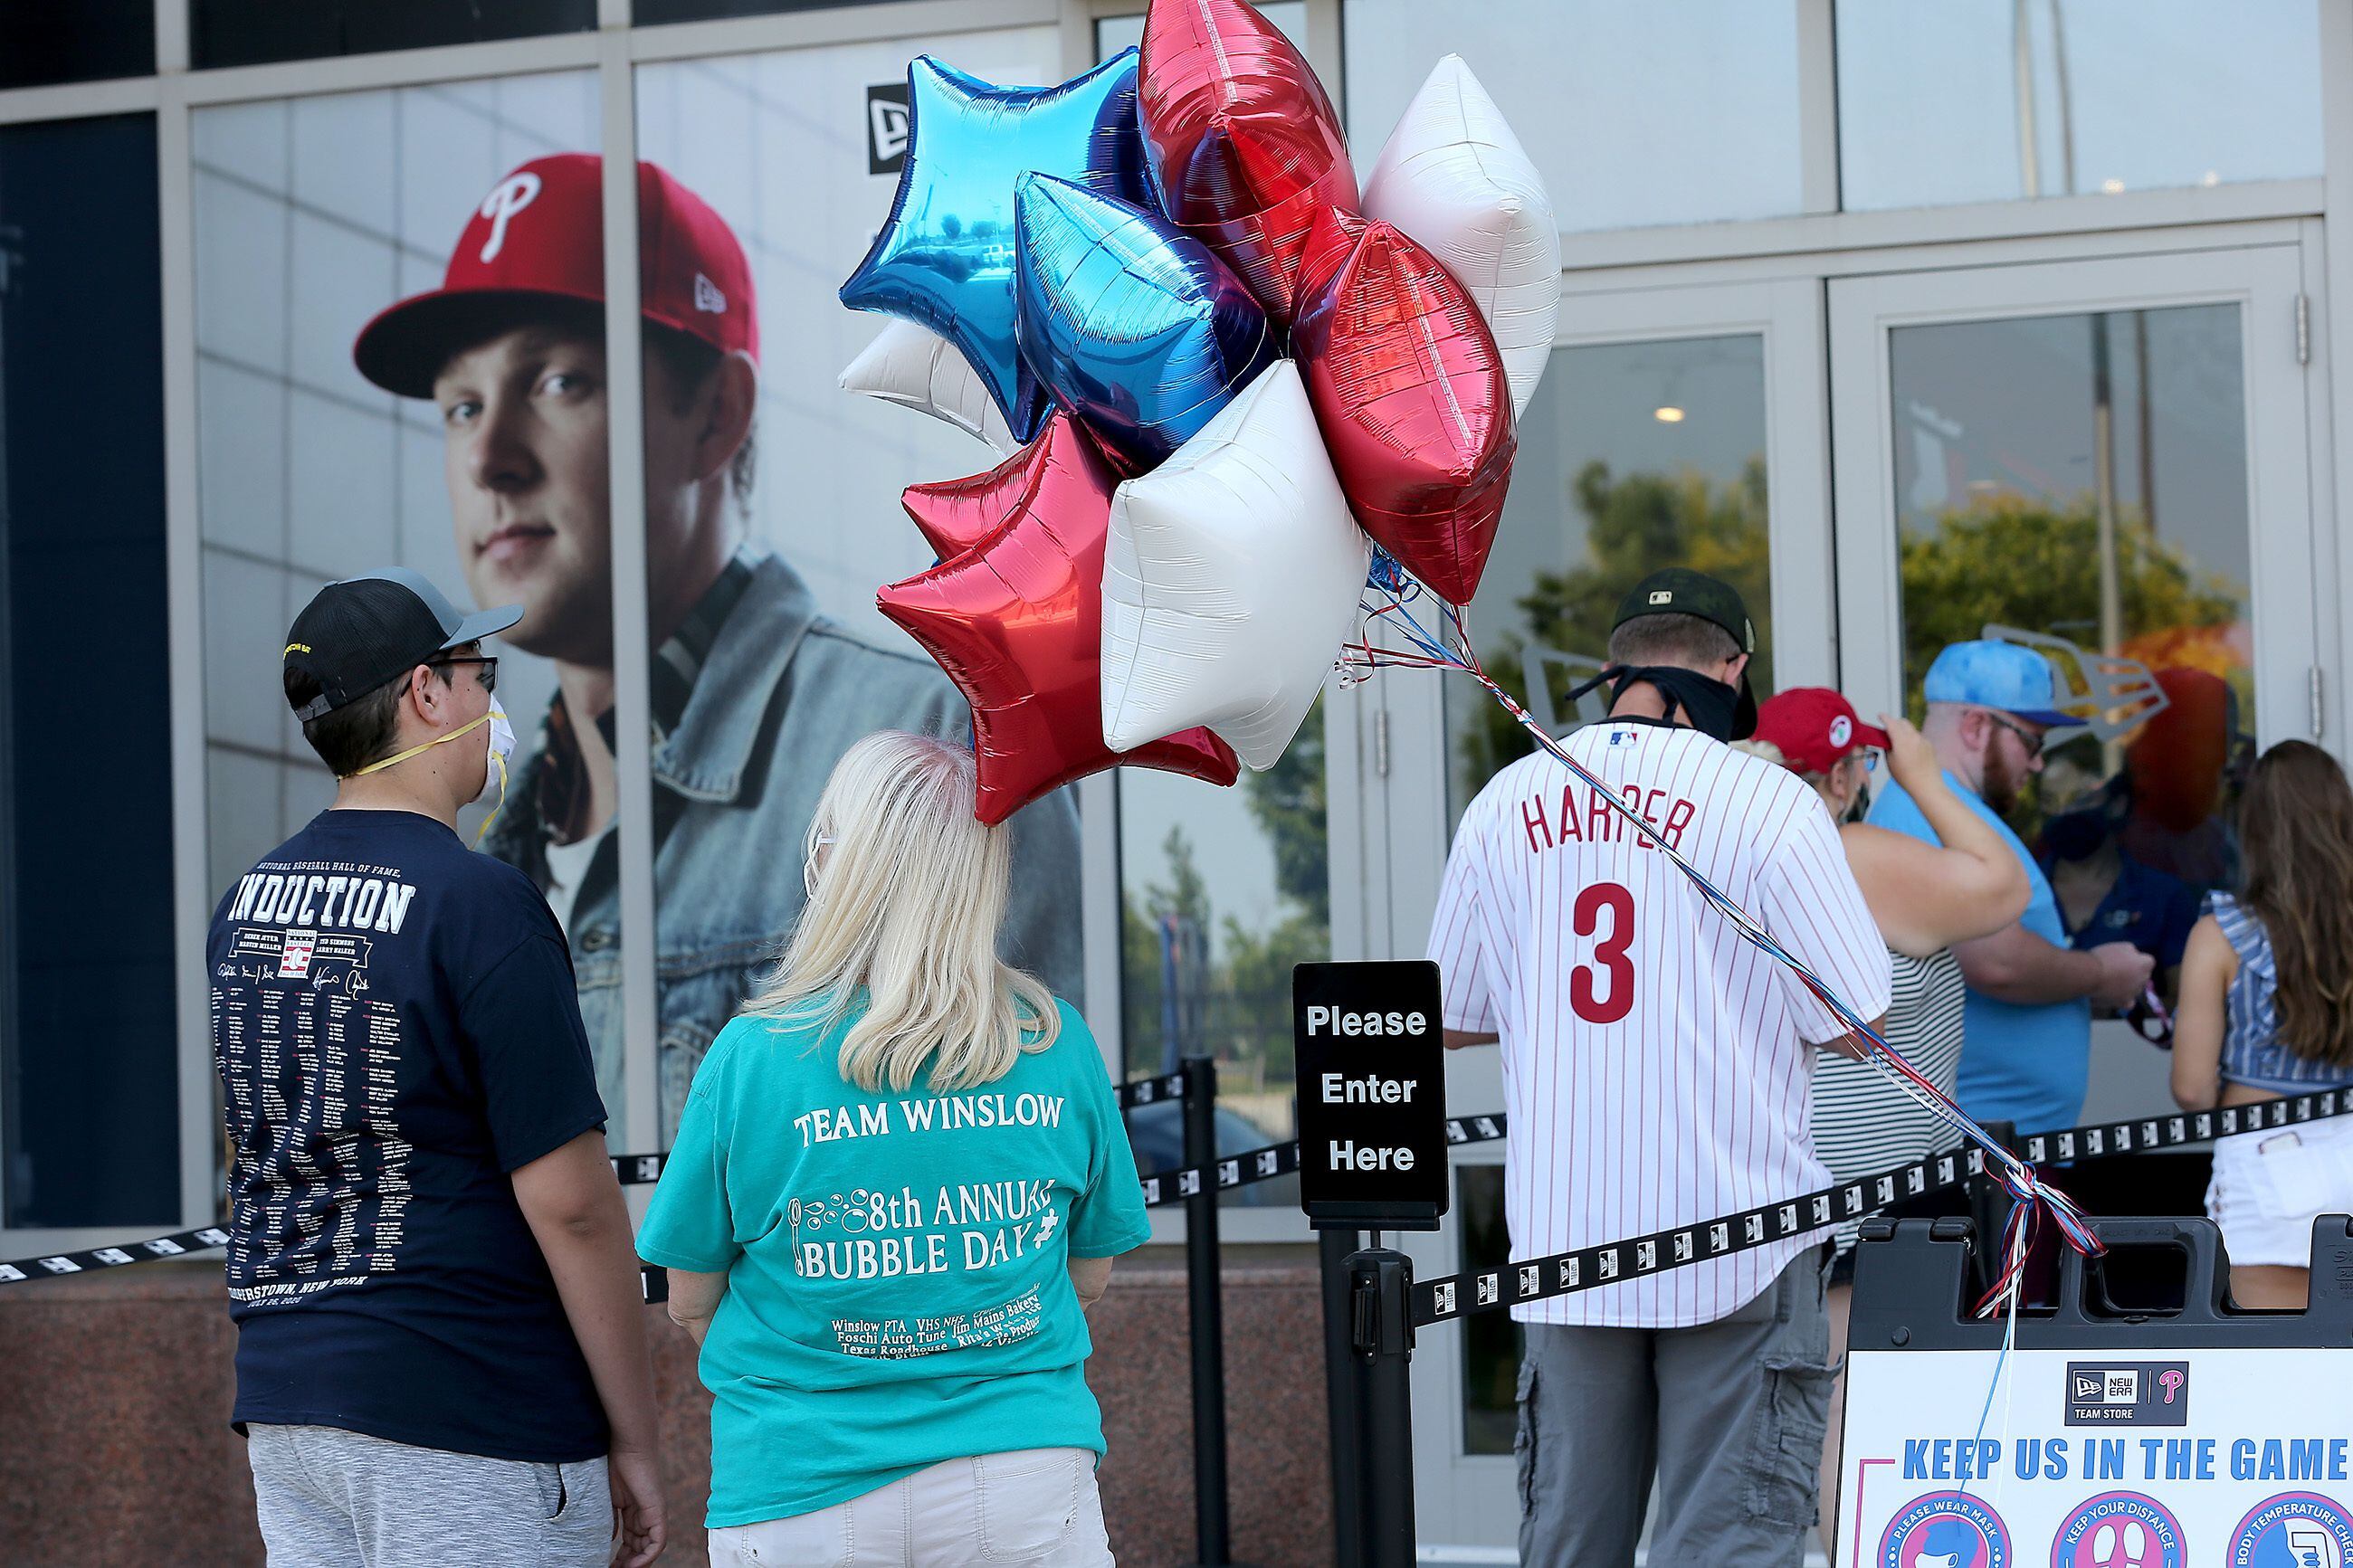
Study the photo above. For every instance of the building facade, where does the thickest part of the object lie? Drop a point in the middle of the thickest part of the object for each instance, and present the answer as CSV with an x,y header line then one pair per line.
x,y
1909,320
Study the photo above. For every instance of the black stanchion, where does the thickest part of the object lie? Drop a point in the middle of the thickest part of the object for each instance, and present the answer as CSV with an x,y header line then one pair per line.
x,y
1204,1285
1334,1247
1380,1355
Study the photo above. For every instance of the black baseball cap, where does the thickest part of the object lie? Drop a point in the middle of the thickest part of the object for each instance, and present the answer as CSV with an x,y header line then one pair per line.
x,y
1680,590
365,632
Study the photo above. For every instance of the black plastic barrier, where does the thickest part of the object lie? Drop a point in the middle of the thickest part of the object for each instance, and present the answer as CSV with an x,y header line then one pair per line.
x,y
2190,1432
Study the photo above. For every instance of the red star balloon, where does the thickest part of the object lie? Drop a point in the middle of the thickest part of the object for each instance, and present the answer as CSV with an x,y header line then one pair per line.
x,y
1244,149
1015,619
1414,404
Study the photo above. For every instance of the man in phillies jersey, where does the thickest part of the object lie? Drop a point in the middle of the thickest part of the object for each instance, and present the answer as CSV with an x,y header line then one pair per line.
x,y
1657,1068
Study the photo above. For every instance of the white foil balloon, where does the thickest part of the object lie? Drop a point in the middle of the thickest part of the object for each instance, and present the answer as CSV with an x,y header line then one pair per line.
x,y
1455,178
912,365
1231,578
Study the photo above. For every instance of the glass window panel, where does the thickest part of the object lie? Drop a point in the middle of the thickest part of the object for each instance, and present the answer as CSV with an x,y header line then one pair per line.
x,y
1635,114
46,41
1491,1341
779,145
1940,103
313,214
1222,891
2029,451
255,32
1633,456
86,935
657,11
1114,34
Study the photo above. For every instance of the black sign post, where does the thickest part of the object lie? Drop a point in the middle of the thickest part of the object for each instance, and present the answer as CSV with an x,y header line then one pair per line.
x,y
1372,1155
1372,1095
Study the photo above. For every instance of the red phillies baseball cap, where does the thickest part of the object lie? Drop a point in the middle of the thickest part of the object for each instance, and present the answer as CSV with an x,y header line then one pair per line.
x,y
540,233
1813,727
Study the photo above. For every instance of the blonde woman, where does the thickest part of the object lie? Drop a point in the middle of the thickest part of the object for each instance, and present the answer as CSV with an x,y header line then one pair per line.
x,y
1924,897
900,1178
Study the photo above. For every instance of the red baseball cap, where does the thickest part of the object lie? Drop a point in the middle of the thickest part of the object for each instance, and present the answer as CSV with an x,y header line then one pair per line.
x,y
1813,727
540,233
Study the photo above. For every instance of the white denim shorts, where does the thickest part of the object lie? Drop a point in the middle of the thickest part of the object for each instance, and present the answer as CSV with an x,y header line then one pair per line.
x,y
1036,1506
2268,1187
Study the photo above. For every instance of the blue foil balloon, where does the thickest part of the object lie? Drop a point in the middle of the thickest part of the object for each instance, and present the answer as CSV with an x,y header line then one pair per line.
x,y
945,256
1132,324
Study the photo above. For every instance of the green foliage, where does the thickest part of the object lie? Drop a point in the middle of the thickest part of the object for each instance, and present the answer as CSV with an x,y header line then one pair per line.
x,y
1634,526
1245,997
2015,560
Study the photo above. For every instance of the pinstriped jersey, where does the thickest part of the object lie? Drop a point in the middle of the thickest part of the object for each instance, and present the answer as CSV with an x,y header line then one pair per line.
x,y
1657,1066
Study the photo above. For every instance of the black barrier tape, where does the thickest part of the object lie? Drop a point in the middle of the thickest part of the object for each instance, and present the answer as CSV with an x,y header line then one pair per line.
x,y
1589,1268
1581,1269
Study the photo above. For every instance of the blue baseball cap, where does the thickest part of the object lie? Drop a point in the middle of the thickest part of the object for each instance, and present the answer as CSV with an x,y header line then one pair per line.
x,y
2002,676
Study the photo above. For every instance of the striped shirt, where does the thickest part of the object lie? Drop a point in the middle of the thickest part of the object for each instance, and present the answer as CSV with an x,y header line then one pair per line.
x,y
2252,1052
1862,1123
1655,1063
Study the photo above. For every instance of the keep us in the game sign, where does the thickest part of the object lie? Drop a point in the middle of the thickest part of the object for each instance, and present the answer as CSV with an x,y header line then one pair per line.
x,y
1372,1094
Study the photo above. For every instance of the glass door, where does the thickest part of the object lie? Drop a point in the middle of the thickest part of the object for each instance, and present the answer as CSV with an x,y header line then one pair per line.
x,y
2108,459
1676,427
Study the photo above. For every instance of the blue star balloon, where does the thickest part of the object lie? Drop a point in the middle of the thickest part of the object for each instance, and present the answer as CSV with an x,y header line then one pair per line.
x,y
1132,324
945,258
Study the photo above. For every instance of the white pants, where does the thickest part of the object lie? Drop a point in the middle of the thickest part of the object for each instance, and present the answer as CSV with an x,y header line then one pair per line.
x,y
1032,1506
2268,1185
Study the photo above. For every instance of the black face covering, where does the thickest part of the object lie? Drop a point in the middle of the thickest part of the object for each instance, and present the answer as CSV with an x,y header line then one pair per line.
x,y
1708,706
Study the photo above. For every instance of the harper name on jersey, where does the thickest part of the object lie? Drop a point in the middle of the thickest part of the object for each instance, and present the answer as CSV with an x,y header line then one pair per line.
x,y
1657,1068
1597,823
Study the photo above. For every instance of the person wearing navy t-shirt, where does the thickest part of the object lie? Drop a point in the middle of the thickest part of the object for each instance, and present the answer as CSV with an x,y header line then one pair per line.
x,y
441,1353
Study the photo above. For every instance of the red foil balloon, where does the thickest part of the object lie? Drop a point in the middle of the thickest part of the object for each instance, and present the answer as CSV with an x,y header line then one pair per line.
x,y
1244,149
1017,622
1416,410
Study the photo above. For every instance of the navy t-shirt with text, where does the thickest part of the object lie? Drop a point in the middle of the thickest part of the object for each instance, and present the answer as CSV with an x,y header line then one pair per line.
x,y
396,1030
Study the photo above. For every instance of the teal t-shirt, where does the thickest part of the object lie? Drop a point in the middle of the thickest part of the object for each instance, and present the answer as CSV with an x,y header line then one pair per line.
x,y
2025,1065
898,1285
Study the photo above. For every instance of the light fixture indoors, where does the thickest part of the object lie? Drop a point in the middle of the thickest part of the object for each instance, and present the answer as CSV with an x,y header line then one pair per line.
x,y
1667,414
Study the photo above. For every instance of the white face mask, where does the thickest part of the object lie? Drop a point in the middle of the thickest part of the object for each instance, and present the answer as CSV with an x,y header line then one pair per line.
x,y
499,744
503,745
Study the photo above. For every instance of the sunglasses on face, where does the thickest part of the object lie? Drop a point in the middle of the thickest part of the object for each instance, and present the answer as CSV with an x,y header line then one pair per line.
x,y
2026,737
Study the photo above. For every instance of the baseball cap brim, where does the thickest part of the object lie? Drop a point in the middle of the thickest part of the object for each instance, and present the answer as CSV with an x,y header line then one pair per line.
x,y
404,349
1870,735
484,623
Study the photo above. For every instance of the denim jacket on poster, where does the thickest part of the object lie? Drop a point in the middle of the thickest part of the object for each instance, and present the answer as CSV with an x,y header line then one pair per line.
x,y
782,693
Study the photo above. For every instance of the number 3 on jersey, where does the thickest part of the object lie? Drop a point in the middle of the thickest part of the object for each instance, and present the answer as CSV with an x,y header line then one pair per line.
x,y
1602,991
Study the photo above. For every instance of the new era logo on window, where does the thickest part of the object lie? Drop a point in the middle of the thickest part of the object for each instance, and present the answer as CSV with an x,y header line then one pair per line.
x,y
886,127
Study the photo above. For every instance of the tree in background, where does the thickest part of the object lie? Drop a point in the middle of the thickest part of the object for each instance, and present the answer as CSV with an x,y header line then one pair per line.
x,y
2016,561
1244,996
1634,526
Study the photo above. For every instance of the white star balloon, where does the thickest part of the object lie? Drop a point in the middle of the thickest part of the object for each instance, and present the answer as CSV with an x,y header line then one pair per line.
x,y
1455,178
1232,579
916,367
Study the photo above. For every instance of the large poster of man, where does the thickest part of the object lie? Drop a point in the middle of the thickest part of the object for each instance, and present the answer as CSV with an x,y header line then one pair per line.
x,y
437,321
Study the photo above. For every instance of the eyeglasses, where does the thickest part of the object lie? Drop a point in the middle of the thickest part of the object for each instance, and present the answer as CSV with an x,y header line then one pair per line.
x,y
489,663
2027,738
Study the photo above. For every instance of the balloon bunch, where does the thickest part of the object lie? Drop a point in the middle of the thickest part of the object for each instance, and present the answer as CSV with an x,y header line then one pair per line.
x,y
1220,373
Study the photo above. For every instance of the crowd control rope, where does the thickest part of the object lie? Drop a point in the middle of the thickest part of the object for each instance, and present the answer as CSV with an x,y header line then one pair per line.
x,y
1494,1289
1439,1300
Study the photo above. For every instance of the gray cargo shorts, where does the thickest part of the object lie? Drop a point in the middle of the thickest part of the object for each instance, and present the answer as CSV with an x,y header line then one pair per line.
x,y
1727,1417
